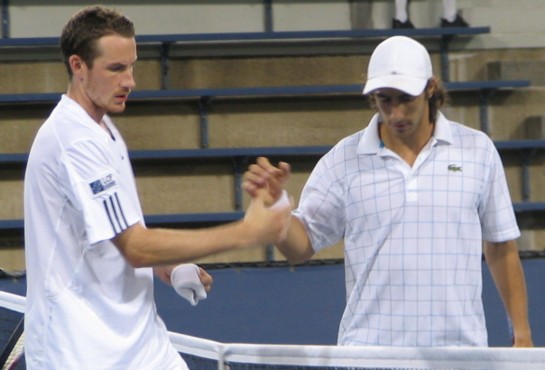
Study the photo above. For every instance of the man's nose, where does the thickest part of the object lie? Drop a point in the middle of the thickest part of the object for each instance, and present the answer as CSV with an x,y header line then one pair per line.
x,y
128,81
397,110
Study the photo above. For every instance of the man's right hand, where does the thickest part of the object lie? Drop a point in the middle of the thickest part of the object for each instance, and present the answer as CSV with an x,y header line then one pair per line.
x,y
267,225
265,180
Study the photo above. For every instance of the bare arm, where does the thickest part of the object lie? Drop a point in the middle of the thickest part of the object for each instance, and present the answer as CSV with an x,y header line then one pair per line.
x,y
296,247
155,247
506,270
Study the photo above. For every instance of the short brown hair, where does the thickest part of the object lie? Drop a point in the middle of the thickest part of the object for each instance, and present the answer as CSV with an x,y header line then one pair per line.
x,y
437,99
80,35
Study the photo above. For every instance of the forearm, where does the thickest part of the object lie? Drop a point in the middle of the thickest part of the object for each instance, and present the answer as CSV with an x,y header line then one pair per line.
x,y
506,270
296,247
158,247
154,247
164,272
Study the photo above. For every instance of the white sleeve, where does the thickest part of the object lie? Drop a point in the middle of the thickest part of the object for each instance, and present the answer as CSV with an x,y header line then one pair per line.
x,y
321,207
496,211
100,190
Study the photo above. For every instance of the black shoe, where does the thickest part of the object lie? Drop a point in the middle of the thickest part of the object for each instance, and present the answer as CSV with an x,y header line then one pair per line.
x,y
398,24
457,22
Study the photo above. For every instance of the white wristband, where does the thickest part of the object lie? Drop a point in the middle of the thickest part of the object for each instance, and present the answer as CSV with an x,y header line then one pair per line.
x,y
187,283
283,201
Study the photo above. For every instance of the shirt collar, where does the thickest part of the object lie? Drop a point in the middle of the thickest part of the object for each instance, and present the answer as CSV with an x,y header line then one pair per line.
x,y
442,132
370,142
75,107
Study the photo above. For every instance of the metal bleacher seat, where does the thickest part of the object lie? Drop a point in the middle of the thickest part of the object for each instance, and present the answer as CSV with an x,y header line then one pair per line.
x,y
443,35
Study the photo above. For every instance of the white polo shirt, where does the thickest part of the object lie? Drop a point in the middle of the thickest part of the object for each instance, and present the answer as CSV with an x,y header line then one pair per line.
x,y
87,308
412,235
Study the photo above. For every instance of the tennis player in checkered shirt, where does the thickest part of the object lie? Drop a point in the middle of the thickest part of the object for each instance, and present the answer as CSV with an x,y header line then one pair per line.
x,y
413,196
90,258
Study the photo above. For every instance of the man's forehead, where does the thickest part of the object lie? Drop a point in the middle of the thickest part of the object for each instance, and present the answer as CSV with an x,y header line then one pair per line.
x,y
117,48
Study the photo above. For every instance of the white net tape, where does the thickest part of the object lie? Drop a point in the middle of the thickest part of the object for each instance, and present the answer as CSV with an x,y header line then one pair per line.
x,y
12,301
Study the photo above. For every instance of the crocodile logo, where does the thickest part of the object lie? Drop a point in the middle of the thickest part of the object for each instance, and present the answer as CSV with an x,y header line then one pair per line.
x,y
454,168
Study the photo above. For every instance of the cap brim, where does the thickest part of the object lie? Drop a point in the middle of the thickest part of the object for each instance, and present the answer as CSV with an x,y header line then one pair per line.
x,y
410,85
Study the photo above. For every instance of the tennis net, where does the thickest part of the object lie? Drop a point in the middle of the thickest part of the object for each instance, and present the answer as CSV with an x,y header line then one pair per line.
x,y
11,331
239,356
204,354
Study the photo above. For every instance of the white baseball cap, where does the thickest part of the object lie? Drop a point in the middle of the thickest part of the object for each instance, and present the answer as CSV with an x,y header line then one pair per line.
x,y
400,63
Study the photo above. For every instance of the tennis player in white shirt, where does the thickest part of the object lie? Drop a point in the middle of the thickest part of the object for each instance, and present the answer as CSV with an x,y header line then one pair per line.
x,y
90,258
413,196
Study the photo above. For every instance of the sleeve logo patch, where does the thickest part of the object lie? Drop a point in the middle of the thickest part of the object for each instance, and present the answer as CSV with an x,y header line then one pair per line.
x,y
102,184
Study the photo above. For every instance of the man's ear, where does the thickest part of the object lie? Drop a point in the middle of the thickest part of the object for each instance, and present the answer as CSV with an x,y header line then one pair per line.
x,y
431,87
77,65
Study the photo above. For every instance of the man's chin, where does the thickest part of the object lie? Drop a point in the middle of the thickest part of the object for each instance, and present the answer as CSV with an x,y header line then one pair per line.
x,y
117,108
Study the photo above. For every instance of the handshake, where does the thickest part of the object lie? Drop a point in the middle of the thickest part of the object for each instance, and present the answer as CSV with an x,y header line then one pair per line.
x,y
268,217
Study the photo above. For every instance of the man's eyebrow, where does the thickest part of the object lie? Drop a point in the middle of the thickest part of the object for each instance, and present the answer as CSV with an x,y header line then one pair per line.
x,y
120,65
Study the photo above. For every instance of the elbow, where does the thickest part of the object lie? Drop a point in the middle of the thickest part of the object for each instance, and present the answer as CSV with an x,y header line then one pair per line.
x,y
131,244
299,258
135,258
136,261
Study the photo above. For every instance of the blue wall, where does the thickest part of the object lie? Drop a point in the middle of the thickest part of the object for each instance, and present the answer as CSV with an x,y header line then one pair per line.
x,y
302,305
